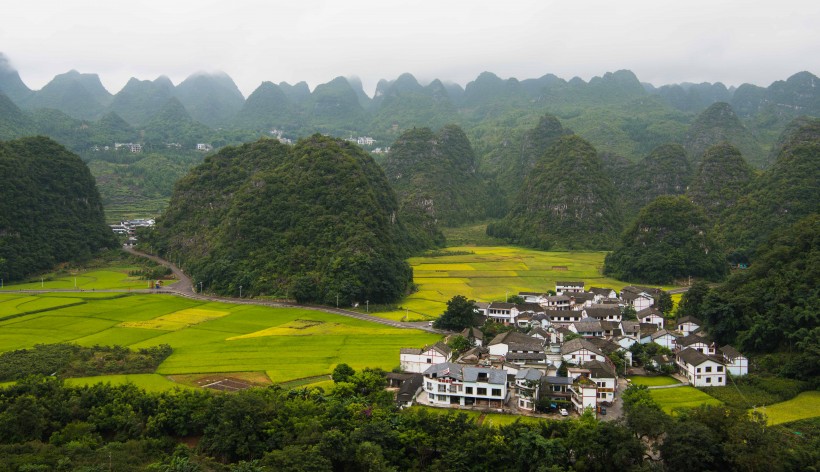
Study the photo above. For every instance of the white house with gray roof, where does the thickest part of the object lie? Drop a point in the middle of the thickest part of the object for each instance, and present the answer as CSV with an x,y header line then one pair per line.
x,y
450,384
700,369
418,360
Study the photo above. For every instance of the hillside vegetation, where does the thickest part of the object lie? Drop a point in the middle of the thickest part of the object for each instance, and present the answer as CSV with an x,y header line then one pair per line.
x,y
314,222
50,210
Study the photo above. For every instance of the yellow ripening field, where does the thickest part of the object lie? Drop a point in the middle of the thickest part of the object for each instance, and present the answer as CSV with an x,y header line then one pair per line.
x,y
492,273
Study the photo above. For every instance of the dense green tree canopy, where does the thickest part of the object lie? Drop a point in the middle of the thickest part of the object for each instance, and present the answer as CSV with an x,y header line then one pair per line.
x,y
50,210
312,222
566,202
785,193
435,173
669,240
721,179
772,306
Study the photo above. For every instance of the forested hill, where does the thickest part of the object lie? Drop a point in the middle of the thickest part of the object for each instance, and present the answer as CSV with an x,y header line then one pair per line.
x,y
436,173
780,196
312,221
50,210
566,202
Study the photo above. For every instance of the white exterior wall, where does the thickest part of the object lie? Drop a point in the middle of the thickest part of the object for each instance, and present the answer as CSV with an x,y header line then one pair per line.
x,y
687,328
606,389
500,349
738,366
582,356
641,303
654,319
418,363
667,341
699,377
440,391
584,397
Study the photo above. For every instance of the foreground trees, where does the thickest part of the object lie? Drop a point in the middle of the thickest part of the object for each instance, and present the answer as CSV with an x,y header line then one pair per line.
x,y
47,426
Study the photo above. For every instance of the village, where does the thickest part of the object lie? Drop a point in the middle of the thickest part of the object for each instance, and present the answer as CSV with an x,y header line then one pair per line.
x,y
556,356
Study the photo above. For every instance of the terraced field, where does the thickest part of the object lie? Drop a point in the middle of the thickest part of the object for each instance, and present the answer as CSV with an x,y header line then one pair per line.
x,y
491,273
284,344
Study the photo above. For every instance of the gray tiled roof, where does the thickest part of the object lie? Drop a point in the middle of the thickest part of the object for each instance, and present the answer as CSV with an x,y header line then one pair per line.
x,y
494,376
580,343
529,374
445,369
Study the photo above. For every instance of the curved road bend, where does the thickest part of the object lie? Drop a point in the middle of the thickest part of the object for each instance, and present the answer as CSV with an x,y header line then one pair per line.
x,y
184,287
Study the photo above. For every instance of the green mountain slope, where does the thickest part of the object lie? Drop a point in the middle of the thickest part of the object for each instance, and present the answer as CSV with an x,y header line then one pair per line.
x,y
78,95
665,171
566,202
436,173
139,100
782,195
50,209
721,180
718,124
311,222
669,240
212,99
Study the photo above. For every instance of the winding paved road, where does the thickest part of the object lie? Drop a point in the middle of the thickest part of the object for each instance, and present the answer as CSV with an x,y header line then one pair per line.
x,y
184,287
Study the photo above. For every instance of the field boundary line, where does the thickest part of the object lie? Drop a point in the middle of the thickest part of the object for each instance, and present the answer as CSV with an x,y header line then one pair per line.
x,y
34,312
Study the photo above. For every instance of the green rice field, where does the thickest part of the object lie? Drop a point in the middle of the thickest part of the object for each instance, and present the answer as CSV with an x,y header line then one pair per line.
x,y
653,381
207,337
681,397
806,405
148,382
115,278
491,273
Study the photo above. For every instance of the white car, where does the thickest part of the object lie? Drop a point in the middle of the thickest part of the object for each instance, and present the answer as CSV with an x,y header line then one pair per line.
x,y
563,412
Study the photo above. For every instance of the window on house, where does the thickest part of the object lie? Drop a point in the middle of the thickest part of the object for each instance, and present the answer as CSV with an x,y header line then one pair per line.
x,y
593,357
496,392
429,385
708,380
698,370
720,379
470,390
708,368
720,368
573,356
481,391
442,388
429,361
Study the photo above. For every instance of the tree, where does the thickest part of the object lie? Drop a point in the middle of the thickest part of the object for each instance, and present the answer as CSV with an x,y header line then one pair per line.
x,y
629,313
665,303
517,299
459,344
342,373
460,314
691,302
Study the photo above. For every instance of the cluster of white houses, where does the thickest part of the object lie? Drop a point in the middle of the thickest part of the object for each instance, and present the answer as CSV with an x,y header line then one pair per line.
x,y
518,369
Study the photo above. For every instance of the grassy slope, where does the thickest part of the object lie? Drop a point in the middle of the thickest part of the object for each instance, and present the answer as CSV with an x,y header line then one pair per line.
x,y
805,405
281,343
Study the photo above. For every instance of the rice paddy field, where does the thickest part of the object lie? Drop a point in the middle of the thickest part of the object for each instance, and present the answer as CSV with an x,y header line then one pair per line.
x,y
491,273
804,406
681,397
116,278
282,344
655,381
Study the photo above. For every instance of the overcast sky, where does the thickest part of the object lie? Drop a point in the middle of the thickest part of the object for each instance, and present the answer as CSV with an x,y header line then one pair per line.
x,y
253,41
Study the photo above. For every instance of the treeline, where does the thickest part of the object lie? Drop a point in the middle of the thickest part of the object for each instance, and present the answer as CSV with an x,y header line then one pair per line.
x,y
47,426
71,360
